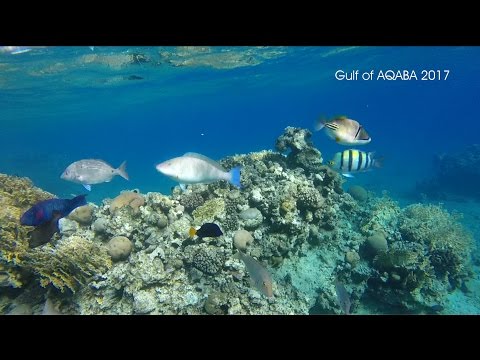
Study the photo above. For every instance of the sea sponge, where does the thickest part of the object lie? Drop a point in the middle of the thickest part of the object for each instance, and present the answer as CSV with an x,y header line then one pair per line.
x,y
82,214
242,239
378,242
358,193
119,248
210,210
127,198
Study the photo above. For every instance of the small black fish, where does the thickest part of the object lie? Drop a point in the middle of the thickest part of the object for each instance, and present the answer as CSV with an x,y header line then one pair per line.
x,y
134,77
42,234
206,230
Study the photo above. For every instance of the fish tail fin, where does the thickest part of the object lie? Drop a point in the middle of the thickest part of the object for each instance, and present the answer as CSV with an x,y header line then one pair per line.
x,y
320,123
122,170
80,200
378,160
192,232
235,174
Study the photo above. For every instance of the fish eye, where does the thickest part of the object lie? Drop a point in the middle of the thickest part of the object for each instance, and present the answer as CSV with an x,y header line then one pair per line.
x,y
331,163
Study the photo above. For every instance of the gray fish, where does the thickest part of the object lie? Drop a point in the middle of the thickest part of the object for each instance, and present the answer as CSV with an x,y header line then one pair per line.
x,y
258,274
92,171
343,298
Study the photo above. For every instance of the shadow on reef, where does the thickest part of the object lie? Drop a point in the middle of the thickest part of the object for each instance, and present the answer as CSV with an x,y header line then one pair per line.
x,y
457,177
326,250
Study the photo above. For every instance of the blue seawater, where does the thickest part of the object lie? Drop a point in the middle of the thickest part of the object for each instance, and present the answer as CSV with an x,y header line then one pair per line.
x,y
148,104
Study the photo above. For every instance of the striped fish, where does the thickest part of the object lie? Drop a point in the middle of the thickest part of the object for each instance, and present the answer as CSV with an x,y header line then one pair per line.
x,y
353,161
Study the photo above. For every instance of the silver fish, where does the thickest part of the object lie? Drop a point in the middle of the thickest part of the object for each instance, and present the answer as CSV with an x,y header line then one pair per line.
x,y
92,171
258,274
193,168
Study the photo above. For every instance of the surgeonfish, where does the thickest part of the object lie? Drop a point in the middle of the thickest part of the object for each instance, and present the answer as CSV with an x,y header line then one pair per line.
x,y
206,230
92,171
193,168
344,131
353,161
44,211
259,276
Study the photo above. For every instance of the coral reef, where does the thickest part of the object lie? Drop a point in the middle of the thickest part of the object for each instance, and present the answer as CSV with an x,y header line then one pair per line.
x,y
292,215
302,153
358,193
448,169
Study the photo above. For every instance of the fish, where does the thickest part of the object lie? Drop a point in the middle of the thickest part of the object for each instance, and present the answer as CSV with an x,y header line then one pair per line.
x,y
42,234
43,211
343,298
259,276
193,168
344,131
133,77
92,171
354,161
50,309
206,230
14,50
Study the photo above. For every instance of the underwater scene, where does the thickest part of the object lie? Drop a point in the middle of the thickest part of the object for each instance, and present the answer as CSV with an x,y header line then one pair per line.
x,y
262,180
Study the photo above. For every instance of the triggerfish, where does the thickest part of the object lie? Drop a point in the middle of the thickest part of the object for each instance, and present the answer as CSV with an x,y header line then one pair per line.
x,y
206,230
44,211
259,276
193,168
92,171
353,161
344,131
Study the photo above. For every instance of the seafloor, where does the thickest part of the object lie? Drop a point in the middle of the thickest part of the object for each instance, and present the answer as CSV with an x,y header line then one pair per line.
x,y
133,254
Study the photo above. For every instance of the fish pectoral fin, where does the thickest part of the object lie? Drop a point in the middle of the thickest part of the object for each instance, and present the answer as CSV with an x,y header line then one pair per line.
x,y
88,187
348,175
183,187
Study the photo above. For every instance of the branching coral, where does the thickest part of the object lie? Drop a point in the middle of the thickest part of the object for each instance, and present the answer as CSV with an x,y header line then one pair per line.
x,y
70,264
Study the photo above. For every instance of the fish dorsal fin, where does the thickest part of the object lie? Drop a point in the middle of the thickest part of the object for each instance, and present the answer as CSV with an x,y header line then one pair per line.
x,y
204,158
340,117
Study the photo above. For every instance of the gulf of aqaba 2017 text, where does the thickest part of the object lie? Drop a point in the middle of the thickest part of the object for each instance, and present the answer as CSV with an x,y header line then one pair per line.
x,y
424,75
